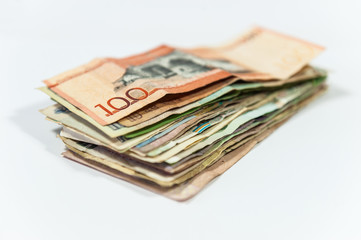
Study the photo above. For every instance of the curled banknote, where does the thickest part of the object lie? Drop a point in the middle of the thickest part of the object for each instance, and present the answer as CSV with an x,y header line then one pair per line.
x,y
109,89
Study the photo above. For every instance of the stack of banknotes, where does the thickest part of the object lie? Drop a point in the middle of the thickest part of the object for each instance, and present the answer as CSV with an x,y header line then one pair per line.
x,y
172,119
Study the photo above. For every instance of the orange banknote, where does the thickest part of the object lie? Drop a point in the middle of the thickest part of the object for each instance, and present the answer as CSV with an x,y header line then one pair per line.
x,y
110,89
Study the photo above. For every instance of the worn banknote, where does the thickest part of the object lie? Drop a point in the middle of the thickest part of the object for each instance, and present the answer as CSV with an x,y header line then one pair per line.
x,y
109,89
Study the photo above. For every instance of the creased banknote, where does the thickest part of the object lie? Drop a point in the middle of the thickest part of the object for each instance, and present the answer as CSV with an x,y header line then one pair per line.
x,y
110,89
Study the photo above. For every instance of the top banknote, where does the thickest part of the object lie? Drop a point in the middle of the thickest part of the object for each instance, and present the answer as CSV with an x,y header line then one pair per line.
x,y
109,89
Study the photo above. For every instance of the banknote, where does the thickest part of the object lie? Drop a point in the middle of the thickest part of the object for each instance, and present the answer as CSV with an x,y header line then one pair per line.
x,y
261,50
120,87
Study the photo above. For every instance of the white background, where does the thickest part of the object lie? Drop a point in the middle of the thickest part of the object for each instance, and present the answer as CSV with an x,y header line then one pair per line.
x,y
302,182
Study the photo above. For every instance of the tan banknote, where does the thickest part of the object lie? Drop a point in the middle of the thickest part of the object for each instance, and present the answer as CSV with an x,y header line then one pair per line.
x,y
268,54
110,89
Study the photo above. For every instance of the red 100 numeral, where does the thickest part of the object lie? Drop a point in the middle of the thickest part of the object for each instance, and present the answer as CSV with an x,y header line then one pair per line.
x,y
126,101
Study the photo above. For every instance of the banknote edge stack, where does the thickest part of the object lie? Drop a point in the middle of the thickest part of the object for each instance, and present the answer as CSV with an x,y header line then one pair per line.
x,y
173,139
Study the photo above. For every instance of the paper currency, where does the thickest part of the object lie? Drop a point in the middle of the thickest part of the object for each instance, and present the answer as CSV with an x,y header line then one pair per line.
x,y
264,51
172,119
109,89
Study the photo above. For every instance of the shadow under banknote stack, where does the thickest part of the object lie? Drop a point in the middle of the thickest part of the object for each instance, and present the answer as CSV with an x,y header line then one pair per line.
x,y
171,119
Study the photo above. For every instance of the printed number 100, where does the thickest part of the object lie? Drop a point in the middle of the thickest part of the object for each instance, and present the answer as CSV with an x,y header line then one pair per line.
x,y
132,100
